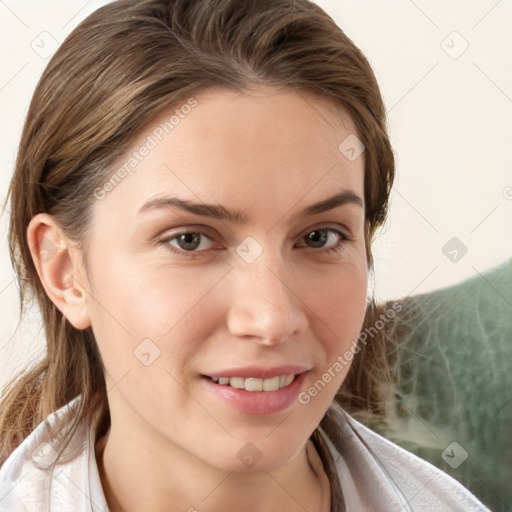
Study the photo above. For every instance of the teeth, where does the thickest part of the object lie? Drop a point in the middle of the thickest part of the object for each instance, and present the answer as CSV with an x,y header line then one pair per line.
x,y
254,384
237,382
288,379
271,384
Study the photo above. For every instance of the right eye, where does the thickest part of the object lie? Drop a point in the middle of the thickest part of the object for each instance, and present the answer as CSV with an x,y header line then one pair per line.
x,y
187,242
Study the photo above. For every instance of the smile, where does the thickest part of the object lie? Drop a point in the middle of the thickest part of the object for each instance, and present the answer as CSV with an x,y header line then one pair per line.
x,y
255,384
256,389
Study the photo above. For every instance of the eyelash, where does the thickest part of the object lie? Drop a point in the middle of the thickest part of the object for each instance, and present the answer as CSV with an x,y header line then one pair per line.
x,y
334,249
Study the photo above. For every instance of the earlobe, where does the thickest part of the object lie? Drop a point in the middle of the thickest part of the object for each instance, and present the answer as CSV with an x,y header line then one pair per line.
x,y
60,269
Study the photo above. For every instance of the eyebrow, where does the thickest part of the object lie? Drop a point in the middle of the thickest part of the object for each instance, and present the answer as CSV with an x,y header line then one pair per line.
x,y
219,212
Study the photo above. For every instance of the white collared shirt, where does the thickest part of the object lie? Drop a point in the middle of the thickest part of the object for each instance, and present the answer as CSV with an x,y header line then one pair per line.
x,y
374,474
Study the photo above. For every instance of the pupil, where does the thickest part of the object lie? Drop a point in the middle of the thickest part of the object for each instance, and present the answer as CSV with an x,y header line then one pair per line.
x,y
318,238
189,241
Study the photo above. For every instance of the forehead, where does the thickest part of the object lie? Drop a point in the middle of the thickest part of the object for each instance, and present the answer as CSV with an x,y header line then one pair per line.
x,y
242,149
290,122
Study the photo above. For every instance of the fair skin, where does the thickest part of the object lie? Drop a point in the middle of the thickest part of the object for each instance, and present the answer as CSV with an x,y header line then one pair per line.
x,y
174,444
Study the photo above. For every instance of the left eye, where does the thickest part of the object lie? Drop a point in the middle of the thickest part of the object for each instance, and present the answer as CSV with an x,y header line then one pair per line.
x,y
323,237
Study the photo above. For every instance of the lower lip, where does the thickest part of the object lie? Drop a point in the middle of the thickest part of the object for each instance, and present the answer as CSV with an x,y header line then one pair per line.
x,y
257,402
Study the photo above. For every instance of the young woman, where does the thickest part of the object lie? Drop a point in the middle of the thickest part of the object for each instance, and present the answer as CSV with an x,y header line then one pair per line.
x,y
193,205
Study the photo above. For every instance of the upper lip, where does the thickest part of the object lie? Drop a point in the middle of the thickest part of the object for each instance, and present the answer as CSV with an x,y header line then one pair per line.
x,y
260,372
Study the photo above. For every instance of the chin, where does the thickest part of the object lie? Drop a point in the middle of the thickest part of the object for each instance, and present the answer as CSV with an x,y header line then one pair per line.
x,y
261,450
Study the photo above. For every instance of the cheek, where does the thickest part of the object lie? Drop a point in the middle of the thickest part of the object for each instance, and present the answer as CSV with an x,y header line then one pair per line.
x,y
348,304
131,303
339,303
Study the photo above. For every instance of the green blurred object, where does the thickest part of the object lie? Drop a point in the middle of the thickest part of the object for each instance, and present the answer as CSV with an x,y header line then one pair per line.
x,y
455,383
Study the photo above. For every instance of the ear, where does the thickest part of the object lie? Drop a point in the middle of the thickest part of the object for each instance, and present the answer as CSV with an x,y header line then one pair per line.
x,y
60,268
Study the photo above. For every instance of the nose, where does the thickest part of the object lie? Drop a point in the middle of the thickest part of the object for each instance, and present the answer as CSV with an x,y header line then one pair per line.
x,y
264,305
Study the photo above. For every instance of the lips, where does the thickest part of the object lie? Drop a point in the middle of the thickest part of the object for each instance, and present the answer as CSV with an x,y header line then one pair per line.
x,y
256,390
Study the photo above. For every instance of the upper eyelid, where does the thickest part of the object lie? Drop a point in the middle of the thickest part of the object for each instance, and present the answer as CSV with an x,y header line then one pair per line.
x,y
174,232
344,231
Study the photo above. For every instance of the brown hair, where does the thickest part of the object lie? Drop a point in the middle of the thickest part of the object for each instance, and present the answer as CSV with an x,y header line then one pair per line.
x,y
113,74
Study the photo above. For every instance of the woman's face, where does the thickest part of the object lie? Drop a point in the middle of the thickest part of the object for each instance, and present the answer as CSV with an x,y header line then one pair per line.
x,y
232,247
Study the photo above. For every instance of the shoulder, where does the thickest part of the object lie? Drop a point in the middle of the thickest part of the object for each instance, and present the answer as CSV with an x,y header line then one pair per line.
x,y
29,479
373,470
